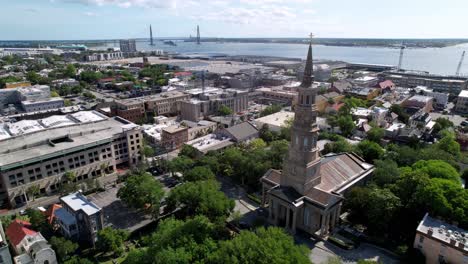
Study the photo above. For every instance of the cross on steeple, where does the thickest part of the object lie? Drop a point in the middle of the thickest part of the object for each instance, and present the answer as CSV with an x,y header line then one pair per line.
x,y
311,35
308,71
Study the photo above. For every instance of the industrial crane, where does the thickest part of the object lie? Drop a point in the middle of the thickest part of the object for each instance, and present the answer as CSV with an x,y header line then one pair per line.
x,y
400,61
460,64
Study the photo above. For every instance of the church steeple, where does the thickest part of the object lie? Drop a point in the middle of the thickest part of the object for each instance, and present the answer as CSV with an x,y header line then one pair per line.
x,y
301,168
308,78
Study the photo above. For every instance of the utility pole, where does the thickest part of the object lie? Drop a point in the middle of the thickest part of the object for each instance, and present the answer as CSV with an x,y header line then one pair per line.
x,y
460,64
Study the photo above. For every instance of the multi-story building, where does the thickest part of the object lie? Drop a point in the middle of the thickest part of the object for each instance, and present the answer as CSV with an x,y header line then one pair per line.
x,y
116,55
40,152
17,85
32,99
209,103
127,45
79,218
440,99
441,242
5,256
462,102
276,95
29,245
130,109
308,193
65,82
166,103
174,137
439,83
419,102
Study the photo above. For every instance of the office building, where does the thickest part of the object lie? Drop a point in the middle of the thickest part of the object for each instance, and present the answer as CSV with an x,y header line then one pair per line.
x,y
127,45
39,152
308,193
208,101
131,109
29,99
439,83
174,137
441,242
79,218
166,103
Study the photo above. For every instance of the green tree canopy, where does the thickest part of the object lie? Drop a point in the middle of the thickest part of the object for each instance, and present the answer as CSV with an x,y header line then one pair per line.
x,y
142,191
386,172
271,109
203,198
70,71
369,150
63,247
376,134
263,246
199,173
437,169
224,110
181,164
111,240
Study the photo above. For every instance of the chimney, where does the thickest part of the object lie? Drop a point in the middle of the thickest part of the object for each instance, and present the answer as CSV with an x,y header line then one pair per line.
x,y
461,245
453,241
430,232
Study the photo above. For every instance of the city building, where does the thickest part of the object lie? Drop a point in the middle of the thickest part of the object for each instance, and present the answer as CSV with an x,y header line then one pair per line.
x,y
418,102
5,256
439,83
127,45
65,82
366,81
105,56
29,245
365,93
174,137
274,121
131,109
276,95
39,152
323,101
462,102
440,99
208,102
166,103
79,218
308,193
243,132
17,85
28,99
210,142
441,242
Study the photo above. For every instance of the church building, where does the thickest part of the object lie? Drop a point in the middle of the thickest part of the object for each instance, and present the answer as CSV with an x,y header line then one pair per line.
x,y
308,193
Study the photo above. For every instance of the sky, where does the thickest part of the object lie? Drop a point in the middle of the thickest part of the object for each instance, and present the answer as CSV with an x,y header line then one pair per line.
x,y
113,19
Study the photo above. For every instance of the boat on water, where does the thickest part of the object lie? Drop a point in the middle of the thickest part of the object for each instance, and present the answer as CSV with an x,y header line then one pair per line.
x,y
170,43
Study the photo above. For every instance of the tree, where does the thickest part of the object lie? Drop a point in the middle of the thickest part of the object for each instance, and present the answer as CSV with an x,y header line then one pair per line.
x,y
33,77
90,76
33,190
442,123
449,144
201,197
376,134
89,95
63,247
386,172
70,71
54,93
340,146
346,124
271,109
402,115
78,260
199,173
36,218
266,134
437,169
142,192
278,150
189,151
224,110
369,150
181,164
111,240
257,143
270,245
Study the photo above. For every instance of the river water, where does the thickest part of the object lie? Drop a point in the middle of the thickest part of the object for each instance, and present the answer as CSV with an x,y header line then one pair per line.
x,y
434,60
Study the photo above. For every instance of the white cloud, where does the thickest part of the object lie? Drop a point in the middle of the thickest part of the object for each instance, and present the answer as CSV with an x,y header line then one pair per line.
x,y
129,3
90,14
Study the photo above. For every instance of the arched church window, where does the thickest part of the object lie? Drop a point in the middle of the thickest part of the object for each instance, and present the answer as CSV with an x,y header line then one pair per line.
x,y
307,100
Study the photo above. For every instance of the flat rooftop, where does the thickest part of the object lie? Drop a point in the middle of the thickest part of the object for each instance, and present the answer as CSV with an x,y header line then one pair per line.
x,y
26,148
277,119
77,201
443,232
463,93
210,142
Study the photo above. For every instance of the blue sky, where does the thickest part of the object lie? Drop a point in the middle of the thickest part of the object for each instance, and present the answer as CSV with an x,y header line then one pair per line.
x,y
101,19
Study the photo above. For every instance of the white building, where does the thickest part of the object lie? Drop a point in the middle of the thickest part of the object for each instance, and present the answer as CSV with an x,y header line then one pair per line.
x,y
462,102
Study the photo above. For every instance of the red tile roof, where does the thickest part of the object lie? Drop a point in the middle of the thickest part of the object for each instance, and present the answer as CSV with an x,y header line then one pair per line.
x,y
182,74
50,213
386,84
17,230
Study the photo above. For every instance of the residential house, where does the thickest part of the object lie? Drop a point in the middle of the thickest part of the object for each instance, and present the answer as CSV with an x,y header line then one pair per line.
x,y
242,132
29,245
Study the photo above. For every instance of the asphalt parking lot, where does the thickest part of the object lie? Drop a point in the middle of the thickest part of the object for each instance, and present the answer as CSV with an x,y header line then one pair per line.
x,y
116,213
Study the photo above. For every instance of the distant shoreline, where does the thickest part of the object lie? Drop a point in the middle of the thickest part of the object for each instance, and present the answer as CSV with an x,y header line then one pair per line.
x,y
375,43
